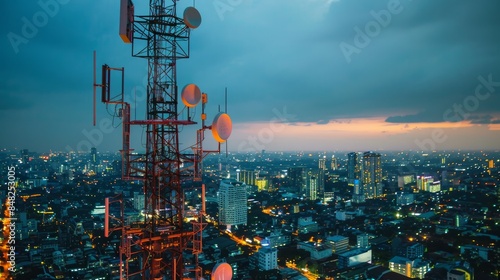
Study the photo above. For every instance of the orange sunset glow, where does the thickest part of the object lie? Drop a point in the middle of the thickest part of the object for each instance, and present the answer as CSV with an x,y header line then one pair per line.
x,y
374,133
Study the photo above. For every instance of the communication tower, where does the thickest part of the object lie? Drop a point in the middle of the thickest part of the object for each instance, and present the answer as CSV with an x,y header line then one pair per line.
x,y
154,247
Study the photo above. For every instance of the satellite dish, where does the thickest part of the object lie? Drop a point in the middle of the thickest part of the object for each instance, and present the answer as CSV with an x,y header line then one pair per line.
x,y
191,95
222,127
192,17
222,271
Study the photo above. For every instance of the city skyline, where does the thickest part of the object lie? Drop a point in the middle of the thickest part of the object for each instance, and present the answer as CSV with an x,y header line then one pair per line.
x,y
337,75
452,197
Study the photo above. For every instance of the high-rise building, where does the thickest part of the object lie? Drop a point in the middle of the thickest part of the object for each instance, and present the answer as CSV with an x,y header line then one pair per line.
x,y
312,188
403,198
321,183
297,177
93,155
372,175
414,251
139,201
435,187
339,244
267,257
315,184
353,167
246,176
424,182
322,163
405,181
262,184
232,199
93,160
358,192
362,241
334,165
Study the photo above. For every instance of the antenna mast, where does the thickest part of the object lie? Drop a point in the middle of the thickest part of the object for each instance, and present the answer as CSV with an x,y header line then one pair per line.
x,y
154,248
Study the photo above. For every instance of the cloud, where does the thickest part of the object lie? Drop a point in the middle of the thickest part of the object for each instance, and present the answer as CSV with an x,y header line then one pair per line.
x,y
273,54
424,117
415,118
483,119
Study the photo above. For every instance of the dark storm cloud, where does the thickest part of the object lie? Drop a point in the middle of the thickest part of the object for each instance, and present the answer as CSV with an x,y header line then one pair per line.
x,y
48,48
426,59
273,56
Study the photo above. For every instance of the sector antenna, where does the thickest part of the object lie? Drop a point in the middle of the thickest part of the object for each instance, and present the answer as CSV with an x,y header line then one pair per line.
x,y
156,246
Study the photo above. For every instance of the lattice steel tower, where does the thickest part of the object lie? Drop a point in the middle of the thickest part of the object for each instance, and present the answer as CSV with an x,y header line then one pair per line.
x,y
165,39
157,244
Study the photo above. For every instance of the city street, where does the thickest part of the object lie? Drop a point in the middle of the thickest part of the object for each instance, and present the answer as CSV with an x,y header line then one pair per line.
x,y
4,272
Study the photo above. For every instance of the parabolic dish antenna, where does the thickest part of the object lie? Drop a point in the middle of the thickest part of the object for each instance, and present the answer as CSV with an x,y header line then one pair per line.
x,y
192,17
222,127
191,95
222,271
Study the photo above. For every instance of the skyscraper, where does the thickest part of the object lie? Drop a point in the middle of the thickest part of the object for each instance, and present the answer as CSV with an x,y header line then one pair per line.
x,y
322,163
93,155
297,179
93,159
358,192
372,175
321,183
333,165
354,167
232,203
312,187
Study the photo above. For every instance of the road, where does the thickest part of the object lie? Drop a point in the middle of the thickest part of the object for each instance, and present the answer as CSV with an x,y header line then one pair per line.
x,y
4,246
307,274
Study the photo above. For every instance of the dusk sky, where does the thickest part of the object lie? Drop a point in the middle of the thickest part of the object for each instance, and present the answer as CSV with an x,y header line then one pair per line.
x,y
324,75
